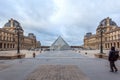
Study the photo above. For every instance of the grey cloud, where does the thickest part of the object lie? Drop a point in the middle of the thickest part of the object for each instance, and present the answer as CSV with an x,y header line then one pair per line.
x,y
50,18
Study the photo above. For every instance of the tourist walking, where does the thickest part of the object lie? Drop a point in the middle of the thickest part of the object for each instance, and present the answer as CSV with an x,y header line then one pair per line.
x,y
34,55
113,56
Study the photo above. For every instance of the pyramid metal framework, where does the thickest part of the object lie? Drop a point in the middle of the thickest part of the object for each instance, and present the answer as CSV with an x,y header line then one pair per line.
x,y
60,44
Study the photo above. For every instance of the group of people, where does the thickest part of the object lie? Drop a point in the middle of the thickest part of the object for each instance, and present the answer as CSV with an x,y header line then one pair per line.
x,y
113,57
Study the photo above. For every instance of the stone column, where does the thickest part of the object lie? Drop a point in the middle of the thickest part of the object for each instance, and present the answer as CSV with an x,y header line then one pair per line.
x,y
7,45
111,45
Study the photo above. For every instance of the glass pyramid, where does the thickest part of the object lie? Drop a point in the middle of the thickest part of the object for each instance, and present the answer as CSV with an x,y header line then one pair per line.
x,y
60,44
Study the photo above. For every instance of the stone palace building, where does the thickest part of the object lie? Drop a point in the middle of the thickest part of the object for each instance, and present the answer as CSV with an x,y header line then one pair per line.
x,y
110,36
9,37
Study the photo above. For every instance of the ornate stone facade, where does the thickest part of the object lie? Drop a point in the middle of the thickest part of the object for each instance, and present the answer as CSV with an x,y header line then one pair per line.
x,y
110,37
9,37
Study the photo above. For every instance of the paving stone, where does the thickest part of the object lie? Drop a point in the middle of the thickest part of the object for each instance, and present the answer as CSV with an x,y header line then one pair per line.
x,y
3,66
57,72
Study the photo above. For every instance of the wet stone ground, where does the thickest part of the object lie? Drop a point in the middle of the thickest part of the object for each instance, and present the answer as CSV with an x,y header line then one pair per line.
x,y
58,65
57,72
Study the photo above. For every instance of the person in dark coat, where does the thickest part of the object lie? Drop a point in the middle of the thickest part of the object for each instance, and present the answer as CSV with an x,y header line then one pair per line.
x,y
112,60
34,55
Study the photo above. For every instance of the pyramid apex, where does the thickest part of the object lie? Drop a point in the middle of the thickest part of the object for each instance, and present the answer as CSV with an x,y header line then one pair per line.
x,y
59,37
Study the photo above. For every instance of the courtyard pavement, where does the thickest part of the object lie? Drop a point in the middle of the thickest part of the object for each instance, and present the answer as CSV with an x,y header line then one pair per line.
x,y
58,65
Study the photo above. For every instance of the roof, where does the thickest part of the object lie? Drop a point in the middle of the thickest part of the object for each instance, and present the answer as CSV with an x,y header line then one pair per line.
x,y
13,23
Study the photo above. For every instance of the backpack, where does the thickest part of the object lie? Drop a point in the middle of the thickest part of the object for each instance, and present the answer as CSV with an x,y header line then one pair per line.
x,y
116,55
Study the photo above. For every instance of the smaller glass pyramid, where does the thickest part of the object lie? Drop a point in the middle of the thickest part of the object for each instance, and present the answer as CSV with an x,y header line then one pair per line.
x,y
60,44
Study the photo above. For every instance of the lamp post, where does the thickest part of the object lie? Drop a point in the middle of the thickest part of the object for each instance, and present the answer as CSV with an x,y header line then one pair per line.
x,y
18,42
100,32
101,46
101,41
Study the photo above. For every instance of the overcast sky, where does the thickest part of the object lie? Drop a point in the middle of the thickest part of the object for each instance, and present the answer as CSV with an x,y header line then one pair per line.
x,y
49,19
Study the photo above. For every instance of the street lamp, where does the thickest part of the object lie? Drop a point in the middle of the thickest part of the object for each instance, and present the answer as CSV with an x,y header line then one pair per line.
x,y
101,35
18,42
101,42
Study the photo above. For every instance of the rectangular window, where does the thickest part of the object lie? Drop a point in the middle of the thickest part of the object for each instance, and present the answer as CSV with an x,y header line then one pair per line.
x,y
13,45
108,45
118,44
105,45
4,45
0,45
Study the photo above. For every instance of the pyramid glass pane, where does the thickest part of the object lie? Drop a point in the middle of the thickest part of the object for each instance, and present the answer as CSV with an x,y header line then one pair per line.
x,y
60,44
